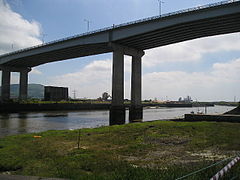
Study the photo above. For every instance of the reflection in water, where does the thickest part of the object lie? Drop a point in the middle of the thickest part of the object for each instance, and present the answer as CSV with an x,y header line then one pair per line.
x,y
118,122
17,123
4,121
22,125
56,115
136,121
117,116
4,124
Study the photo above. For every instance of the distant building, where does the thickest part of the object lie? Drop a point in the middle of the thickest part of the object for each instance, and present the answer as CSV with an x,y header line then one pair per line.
x,y
105,96
188,99
52,93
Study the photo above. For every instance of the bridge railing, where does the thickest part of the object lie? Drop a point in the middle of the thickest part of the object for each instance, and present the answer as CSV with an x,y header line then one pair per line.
x,y
126,24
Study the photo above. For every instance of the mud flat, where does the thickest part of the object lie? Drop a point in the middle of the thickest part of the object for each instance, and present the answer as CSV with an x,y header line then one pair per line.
x,y
217,118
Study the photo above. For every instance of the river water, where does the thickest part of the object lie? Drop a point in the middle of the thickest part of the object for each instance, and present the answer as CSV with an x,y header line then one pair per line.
x,y
18,123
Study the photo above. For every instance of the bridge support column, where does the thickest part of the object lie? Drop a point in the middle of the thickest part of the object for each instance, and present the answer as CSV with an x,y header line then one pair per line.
x,y
23,89
136,110
117,111
6,76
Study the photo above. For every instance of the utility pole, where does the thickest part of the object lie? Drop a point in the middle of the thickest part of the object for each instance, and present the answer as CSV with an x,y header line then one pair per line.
x,y
43,36
88,24
160,7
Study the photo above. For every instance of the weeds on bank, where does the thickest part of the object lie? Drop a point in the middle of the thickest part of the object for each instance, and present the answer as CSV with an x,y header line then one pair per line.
x,y
152,150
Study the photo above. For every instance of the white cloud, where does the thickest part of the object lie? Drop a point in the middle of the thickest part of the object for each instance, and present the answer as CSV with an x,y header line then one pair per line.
x,y
90,81
94,79
223,82
15,78
35,71
15,31
191,51
227,71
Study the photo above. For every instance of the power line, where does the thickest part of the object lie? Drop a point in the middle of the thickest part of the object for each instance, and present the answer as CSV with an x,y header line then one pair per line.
x,y
74,94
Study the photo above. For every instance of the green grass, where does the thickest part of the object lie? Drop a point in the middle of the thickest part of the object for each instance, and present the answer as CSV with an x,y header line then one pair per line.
x,y
151,150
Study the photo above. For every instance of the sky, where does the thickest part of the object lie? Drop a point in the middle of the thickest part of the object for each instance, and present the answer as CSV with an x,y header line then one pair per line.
x,y
207,69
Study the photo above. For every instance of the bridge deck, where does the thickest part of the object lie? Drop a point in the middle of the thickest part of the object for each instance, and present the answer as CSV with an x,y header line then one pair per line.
x,y
220,18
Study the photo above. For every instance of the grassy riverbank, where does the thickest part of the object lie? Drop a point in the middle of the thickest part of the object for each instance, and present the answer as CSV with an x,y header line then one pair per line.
x,y
151,150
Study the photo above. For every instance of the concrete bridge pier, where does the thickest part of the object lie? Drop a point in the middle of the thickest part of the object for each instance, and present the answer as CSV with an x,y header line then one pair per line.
x,y
117,110
23,89
136,109
6,76
6,79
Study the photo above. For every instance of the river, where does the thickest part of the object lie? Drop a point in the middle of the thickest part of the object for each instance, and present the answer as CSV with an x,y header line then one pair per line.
x,y
18,123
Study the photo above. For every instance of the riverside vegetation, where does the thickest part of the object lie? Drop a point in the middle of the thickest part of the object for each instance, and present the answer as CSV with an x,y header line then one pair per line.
x,y
138,151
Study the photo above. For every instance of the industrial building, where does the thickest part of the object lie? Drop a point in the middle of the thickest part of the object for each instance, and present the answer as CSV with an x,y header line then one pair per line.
x,y
52,93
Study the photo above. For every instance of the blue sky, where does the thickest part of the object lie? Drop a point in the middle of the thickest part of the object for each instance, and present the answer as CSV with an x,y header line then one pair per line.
x,y
205,69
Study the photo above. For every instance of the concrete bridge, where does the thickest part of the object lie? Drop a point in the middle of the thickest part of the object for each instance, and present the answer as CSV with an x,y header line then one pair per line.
x,y
125,39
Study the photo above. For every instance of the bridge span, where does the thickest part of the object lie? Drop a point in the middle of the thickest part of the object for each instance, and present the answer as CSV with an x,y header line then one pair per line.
x,y
125,39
